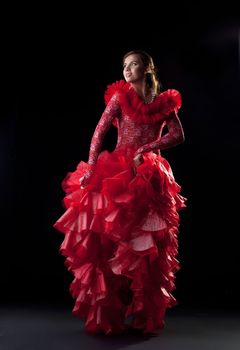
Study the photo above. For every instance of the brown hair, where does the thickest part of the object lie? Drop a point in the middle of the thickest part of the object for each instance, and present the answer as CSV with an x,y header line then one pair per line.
x,y
151,77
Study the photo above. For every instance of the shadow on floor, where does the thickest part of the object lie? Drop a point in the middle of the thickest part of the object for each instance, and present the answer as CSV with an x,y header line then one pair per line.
x,y
43,327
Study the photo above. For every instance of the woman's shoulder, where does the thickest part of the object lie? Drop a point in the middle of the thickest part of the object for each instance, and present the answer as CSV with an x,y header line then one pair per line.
x,y
114,88
171,97
170,100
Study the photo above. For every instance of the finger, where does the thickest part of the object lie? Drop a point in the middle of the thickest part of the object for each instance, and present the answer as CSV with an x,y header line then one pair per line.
x,y
134,169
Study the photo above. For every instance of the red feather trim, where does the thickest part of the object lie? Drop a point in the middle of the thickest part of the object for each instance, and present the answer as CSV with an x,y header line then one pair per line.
x,y
163,104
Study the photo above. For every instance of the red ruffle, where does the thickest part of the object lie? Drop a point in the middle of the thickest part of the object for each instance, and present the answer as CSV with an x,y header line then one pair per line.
x,y
121,242
161,107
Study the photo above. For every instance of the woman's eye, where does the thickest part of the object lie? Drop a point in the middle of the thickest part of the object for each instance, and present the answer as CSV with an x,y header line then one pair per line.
x,y
130,65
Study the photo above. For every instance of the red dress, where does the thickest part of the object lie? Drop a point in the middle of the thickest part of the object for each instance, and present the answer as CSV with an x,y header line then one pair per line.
x,y
121,229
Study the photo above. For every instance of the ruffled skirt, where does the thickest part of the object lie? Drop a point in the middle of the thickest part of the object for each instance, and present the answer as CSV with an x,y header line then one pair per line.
x,y
121,242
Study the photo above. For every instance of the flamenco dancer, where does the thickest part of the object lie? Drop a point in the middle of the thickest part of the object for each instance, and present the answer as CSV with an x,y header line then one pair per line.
x,y
121,219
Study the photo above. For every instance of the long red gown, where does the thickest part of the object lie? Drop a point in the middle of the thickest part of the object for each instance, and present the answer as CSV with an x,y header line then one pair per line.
x,y
121,229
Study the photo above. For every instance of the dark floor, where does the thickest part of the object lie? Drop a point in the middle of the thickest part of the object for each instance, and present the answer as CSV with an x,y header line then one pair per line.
x,y
43,327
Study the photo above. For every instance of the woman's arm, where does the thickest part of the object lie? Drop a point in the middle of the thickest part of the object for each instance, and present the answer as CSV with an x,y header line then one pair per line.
x,y
102,127
110,112
173,137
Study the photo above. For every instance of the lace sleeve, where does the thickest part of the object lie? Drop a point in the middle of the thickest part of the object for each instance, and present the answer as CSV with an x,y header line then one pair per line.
x,y
173,137
111,111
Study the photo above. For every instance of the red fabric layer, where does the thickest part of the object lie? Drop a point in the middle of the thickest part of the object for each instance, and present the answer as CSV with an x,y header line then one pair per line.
x,y
121,242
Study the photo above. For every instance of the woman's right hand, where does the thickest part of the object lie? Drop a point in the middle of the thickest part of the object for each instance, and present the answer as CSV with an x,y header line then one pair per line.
x,y
85,178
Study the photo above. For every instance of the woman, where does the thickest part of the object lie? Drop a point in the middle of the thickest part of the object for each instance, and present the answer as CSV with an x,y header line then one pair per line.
x,y
121,222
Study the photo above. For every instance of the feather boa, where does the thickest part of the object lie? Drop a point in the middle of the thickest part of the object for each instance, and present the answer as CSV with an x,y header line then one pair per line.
x,y
130,102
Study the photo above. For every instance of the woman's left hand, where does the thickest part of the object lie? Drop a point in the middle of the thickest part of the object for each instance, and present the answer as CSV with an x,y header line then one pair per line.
x,y
137,160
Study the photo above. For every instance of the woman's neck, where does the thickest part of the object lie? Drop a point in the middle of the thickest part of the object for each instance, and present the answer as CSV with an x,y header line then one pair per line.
x,y
144,92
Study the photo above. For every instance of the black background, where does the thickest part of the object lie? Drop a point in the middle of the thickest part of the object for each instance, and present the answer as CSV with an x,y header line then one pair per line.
x,y
55,71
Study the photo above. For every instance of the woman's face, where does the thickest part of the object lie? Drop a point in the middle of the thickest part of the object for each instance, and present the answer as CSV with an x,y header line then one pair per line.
x,y
133,69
